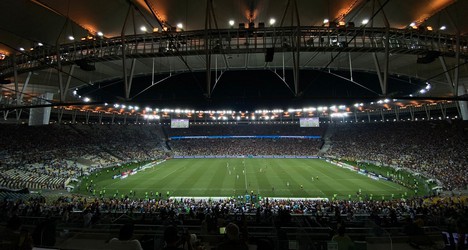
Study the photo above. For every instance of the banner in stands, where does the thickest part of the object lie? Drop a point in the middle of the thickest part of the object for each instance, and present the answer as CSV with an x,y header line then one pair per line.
x,y
247,137
125,174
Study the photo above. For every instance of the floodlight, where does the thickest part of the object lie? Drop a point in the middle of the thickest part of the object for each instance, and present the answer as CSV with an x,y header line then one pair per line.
x,y
272,21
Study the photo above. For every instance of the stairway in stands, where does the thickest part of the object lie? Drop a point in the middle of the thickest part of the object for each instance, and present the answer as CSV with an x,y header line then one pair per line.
x,y
327,139
162,133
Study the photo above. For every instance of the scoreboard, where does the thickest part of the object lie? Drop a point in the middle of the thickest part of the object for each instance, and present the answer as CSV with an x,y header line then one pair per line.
x,y
179,123
309,122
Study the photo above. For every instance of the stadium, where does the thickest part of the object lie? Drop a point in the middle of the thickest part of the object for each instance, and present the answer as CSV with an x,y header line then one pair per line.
x,y
249,124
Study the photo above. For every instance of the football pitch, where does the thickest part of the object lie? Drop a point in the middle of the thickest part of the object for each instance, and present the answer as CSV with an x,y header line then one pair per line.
x,y
285,178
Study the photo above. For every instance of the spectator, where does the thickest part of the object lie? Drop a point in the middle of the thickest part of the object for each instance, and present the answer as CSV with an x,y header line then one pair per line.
x,y
344,241
125,241
44,234
171,238
14,238
232,240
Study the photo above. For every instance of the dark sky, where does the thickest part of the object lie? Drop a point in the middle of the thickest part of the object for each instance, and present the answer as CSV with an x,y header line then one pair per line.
x,y
252,89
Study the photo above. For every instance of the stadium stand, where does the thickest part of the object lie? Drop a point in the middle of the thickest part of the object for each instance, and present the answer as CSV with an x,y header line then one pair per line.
x,y
436,149
47,157
415,221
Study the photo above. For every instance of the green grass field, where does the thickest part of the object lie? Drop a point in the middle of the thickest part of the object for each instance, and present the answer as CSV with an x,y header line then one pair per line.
x,y
233,177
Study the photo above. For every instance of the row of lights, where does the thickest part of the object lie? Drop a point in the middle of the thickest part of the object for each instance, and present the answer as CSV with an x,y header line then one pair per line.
x,y
180,26
70,37
429,28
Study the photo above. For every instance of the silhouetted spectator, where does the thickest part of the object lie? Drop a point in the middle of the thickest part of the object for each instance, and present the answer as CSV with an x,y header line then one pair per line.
x,y
125,240
171,238
343,240
232,241
13,237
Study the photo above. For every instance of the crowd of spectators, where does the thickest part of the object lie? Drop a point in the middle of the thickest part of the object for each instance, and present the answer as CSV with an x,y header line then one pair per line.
x,y
246,129
234,147
435,149
434,210
46,156
449,212
207,147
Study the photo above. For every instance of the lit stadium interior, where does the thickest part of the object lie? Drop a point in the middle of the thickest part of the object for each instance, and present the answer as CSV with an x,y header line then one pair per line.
x,y
246,124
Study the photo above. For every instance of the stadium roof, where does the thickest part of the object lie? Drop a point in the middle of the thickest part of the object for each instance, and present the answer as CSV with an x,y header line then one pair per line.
x,y
182,39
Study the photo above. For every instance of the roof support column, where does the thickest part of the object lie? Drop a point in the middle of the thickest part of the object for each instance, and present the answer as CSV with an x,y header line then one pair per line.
x,y
411,110
207,47
296,47
5,114
25,85
397,113
124,52
60,115
87,114
387,51
379,72
443,109
59,71
428,112
17,92
446,72
74,116
64,91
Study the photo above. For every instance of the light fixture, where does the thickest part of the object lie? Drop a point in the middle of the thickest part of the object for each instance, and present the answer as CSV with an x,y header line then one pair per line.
x,y
365,21
326,20
413,25
71,38
100,34
143,28
443,27
272,21
86,99
39,44
231,22
180,25
22,49
429,28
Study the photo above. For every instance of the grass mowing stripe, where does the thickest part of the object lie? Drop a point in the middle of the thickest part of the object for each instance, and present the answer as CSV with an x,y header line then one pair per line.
x,y
211,177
